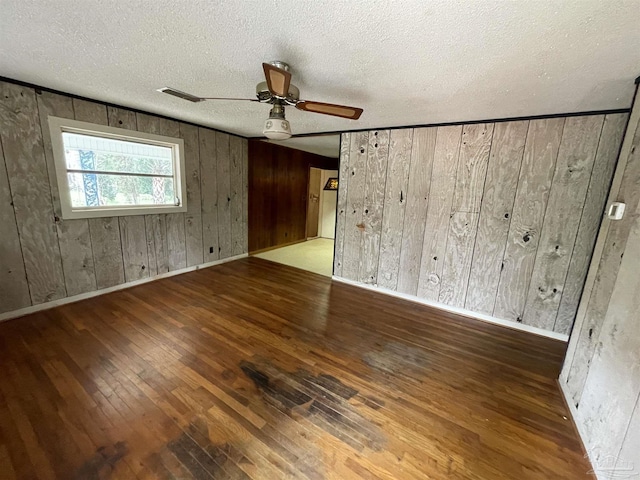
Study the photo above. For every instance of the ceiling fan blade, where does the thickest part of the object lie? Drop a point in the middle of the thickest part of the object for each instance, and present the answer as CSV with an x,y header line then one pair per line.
x,y
194,99
343,111
278,80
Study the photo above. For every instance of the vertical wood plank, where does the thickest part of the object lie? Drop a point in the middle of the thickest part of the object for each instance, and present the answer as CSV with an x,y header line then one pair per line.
x,y
157,248
603,168
457,259
73,235
443,180
599,297
176,248
507,149
107,251
374,187
245,196
134,247
630,451
566,199
14,289
395,201
224,194
422,152
209,192
612,386
354,205
122,118
193,217
235,167
26,168
472,167
534,183
341,212
104,232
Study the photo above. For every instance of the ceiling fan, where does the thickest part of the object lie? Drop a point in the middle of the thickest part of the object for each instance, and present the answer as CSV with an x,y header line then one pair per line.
x,y
279,92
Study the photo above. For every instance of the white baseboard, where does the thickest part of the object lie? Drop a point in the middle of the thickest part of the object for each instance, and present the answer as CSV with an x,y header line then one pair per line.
x,y
459,311
83,296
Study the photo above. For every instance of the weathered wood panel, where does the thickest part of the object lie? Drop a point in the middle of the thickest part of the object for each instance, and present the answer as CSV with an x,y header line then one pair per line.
x,y
74,238
422,152
122,118
536,173
193,217
157,248
224,194
374,195
134,247
354,205
176,245
507,149
598,300
14,289
209,193
443,180
603,168
107,251
245,196
472,167
612,386
566,199
630,451
104,232
235,164
395,201
28,177
457,259
343,180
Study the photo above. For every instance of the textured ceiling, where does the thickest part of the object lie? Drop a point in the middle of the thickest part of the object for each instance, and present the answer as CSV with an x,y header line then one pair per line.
x,y
405,62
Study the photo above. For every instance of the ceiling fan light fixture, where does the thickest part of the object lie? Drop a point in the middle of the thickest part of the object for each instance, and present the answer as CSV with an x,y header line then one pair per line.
x,y
277,129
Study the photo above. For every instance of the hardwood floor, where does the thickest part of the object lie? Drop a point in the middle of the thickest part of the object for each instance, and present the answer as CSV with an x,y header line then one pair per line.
x,y
255,370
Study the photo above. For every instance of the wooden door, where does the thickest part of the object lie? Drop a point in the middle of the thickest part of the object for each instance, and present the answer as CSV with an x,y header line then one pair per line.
x,y
313,202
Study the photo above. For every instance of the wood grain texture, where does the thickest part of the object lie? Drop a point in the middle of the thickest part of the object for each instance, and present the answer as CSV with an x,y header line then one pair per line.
x,y
245,196
355,205
597,302
157,243
107,251
457,259
235,164
373,206
193,217
313,202
472,167
176,246
536,173
204,376
443,180
209,193
134,247
26,169
341,212
507,149
422,153
14,289
193,239
395,201
224,194
612,386
566,200
74,238
594,206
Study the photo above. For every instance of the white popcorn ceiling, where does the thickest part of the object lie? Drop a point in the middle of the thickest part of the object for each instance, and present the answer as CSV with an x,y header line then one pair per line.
x,y
405,62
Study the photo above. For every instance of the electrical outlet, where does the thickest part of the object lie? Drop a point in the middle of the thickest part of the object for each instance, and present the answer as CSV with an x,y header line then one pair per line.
x,y
210,249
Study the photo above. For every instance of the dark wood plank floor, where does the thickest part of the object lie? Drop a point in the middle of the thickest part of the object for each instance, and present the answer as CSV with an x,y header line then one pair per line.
x,y
254,370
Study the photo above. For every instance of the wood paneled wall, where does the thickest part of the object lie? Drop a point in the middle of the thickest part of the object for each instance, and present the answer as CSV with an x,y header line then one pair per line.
x,y
45,258
278,184
601,374
498,219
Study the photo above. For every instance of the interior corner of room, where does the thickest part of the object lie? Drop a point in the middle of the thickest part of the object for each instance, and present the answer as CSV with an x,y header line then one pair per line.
x,y
433,276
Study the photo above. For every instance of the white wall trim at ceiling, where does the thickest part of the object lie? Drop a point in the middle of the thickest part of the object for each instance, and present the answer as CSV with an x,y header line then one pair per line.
x,y
460,311
83,296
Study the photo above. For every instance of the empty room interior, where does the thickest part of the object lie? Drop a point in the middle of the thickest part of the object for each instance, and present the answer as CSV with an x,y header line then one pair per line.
x,y
319,240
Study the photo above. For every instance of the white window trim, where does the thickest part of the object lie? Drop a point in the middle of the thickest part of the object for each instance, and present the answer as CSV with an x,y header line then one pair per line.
x,y
59,125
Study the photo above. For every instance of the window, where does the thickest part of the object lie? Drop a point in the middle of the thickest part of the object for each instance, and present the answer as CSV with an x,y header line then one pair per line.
x,y
104,171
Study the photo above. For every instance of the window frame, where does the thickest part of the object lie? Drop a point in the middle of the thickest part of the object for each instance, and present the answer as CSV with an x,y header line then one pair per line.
x,y
58,126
